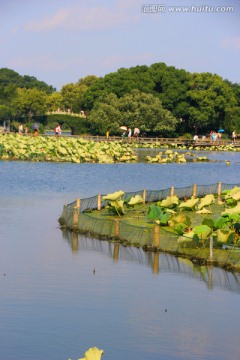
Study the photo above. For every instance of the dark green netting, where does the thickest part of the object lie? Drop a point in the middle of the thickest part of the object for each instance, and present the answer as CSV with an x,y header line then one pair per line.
x,y
144,236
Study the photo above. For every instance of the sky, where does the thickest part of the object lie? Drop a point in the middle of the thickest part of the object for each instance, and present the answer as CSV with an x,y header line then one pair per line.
x,y
62,41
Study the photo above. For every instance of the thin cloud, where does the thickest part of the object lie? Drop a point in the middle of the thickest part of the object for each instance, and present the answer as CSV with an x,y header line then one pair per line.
x,y
84,18
117,61
45,62
232,42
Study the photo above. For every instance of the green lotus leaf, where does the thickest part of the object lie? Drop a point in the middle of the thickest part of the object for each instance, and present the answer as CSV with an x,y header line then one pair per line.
x,y
235,210
154,212
62,150
189,236
224,235
189,204
220,222
203,231
206,200
114,196
208,222
234,193
179,219
137,199
170,201
117,206
93,354
236,196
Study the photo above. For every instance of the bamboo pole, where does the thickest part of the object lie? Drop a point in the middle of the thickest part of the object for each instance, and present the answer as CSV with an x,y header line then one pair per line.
x,y
219,190
74,238
75,218
211,249
78,203
64,213
99,202
76,210
155,265
116,228
195,190
144,196
116,252
156,236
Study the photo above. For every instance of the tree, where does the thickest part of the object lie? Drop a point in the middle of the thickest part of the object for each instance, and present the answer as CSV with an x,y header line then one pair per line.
x,y
135,109
29,103
8,77
54,101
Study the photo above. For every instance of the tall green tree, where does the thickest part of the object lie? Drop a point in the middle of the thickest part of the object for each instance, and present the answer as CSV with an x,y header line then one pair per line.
x,y
29,103
135,109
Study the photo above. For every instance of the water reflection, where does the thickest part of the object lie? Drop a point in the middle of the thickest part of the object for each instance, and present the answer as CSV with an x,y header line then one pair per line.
x,y
158,262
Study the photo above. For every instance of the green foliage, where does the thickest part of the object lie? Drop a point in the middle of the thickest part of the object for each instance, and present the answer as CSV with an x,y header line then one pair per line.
x,y
11,77
158,214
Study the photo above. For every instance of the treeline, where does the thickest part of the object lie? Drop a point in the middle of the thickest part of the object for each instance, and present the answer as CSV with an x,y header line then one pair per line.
x,y
159,99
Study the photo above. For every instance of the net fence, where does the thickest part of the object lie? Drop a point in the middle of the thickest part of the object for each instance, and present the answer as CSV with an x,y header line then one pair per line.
x,y
78,216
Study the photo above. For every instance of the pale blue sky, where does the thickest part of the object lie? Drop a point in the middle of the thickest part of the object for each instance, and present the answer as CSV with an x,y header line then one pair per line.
x,y
61,41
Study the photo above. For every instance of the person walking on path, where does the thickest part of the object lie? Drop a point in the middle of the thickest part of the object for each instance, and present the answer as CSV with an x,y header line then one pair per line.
x,y
129,134
234,136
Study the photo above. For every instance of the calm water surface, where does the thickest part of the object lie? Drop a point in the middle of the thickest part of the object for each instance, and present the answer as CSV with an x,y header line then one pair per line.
x,y
136,305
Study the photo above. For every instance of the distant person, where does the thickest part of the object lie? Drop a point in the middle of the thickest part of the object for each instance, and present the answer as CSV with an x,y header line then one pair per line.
x,y
234,136
219,136
20,129
58,130
129,134
26,130
136,133
195,138
214,136
35,128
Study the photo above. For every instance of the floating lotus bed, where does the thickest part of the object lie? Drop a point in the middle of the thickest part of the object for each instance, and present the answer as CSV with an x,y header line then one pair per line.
x,y
66,149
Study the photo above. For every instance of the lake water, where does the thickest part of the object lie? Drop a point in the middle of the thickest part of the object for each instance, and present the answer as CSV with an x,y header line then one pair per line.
x,y
136,305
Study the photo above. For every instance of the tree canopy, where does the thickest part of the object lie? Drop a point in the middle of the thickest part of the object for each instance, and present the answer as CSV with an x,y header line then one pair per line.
x,y
159,99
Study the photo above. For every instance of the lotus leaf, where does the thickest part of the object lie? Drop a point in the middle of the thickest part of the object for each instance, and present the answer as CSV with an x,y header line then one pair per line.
x,y
206,200
114,196
220,222
170,201
235,210
189,236
116,206
93,354
236,196
225,235
203,231
137,199
156,213
189,204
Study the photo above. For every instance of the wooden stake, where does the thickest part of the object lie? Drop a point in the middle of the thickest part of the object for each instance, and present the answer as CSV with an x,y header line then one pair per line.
x,y
155,265
172,191
78,202
195,190
116,228
219,190
211,249
156,236
144,196
75,218
99,202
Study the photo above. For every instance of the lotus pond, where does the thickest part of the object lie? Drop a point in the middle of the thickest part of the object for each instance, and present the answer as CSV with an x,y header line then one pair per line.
x,y
53,304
